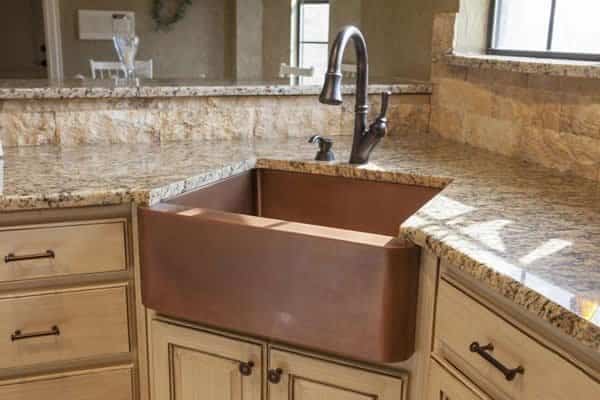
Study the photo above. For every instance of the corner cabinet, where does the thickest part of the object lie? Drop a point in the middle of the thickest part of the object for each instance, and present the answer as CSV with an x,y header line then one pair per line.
x,y
190,364
497,355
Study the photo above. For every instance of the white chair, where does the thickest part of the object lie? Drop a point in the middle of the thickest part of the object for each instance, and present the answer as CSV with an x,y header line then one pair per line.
x,y
287,71
114,70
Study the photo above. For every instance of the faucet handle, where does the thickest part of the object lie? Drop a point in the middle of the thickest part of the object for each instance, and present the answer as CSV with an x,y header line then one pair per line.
x,y
379,128
385,102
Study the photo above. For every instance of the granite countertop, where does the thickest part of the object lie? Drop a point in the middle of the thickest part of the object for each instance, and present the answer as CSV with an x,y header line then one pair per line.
x,y
528,233
11,89
526,65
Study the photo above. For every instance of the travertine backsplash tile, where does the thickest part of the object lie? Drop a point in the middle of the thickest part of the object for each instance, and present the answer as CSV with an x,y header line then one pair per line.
x,y
550,120
447,122
502,136
22,129
231,115
562,151
129,120
67,105
274,119
107,127
580,115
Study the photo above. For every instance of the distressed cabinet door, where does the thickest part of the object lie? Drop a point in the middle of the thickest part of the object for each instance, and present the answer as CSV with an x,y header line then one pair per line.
x,y
297,377
195,365
444,386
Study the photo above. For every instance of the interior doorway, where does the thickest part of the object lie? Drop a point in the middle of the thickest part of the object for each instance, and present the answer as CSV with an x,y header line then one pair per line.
x,y
30,40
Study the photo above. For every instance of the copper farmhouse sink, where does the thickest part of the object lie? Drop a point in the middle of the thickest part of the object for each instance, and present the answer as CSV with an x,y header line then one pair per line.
x,y
305,259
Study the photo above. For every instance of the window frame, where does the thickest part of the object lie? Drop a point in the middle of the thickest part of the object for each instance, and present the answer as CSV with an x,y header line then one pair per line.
x,y
491,40
299,41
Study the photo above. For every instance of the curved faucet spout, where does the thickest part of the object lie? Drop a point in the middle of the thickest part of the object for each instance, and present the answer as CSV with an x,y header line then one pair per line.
x,y
365,138
332,92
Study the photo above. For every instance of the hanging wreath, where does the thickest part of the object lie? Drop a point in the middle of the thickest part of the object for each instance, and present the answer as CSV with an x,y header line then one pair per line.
x,y
168,12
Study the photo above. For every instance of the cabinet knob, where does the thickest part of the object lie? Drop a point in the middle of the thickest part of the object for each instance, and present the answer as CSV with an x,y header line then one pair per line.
x,y
274,375
246,368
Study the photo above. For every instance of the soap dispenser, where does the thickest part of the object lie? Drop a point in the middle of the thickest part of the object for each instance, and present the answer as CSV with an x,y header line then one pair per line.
x,y
325,153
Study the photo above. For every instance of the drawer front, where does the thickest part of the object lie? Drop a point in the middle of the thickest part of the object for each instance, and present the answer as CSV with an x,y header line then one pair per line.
x,y
461,321
442,385
63,326
89,385
55,250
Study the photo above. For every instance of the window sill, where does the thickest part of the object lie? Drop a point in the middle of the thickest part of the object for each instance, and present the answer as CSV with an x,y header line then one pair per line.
x,y
525,65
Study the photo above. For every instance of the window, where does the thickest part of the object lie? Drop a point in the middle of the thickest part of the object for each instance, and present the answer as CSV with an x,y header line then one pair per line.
x,y
313,39
546,28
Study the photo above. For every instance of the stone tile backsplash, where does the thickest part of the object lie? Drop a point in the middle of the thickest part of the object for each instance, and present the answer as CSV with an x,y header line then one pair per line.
x,y
71,122
549,120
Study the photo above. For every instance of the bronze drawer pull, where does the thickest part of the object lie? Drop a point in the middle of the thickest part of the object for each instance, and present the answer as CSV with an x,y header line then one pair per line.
x,y
13,258
18,335
246,368
484,352
274,375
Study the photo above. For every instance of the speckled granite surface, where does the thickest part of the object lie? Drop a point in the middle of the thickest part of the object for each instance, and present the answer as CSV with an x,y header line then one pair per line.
x,y
74,89
529,234
527,65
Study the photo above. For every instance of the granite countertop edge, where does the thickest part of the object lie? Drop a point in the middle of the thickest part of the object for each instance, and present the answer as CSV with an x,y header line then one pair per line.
x,y
30,91
585,332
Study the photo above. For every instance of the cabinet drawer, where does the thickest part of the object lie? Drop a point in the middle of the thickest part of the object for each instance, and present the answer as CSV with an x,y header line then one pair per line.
x,y
89,385
63,326
442,385
54,250
462,321
301,377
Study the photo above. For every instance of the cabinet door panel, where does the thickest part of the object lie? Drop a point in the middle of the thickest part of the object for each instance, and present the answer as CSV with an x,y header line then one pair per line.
x,y
308,378
202,376
195,365
307,390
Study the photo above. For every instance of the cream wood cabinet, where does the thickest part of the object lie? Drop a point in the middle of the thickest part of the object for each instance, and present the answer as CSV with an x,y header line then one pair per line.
x,y
69,304
497,356
442,385
190,364
298,377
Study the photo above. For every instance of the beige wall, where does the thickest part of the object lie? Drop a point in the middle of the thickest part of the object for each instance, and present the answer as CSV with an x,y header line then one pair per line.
x,y
440,6
21,35
249,40
195,45
276,36
472,26
399,36
344,12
